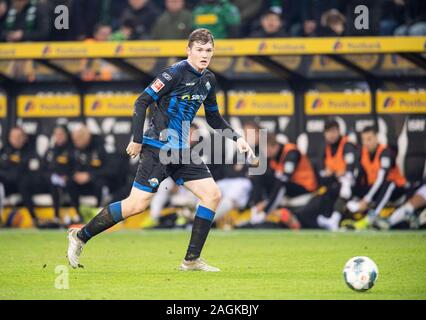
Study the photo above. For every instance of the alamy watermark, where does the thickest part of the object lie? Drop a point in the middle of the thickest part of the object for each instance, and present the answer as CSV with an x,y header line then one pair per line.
x,y
62,17
62,279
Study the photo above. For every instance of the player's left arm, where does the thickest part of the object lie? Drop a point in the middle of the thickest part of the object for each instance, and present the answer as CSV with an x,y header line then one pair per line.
x,y
217,122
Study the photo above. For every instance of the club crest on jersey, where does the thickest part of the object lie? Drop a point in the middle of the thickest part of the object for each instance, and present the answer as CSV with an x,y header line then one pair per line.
x,y
153,182
157,85
208,86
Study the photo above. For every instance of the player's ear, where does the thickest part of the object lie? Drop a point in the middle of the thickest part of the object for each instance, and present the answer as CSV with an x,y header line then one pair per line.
x,y
188,50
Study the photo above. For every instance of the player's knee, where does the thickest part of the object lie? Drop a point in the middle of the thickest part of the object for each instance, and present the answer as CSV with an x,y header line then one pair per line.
x,y
215,196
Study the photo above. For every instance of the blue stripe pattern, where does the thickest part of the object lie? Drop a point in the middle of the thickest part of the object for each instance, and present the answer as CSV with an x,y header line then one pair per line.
x,y
142,187
205,213
151,93
115,210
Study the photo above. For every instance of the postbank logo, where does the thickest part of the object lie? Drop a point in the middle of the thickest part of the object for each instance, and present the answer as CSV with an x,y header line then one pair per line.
x,y
407,102
266,104
329,103
47,106
109,105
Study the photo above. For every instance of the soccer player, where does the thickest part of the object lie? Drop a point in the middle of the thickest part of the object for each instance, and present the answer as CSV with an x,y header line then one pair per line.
x,y
383,179
178,92
340,164
294,176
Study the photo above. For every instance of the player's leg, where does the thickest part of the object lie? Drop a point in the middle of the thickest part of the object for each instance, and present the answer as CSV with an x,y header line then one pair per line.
x,y
209,194
149,175
407,210
135,203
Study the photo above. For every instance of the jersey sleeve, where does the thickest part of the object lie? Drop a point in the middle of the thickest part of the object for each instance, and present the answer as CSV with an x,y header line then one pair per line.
x,y
162,84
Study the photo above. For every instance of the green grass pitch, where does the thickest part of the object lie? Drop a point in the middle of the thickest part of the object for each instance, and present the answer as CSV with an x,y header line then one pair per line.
x,y
255,265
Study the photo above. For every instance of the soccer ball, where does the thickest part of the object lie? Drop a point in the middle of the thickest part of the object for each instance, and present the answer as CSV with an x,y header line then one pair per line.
x,y
360,273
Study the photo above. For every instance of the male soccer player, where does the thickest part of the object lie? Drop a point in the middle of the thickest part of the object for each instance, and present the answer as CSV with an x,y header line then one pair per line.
x,y
293,173
339,173
383,179
178,92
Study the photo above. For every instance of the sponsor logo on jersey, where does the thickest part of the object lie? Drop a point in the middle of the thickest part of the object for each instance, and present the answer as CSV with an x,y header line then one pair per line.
x,y
208,85
190,84
157,85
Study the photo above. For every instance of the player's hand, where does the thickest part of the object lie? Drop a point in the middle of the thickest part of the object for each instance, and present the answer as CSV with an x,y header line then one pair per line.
x,y
133,149
244,147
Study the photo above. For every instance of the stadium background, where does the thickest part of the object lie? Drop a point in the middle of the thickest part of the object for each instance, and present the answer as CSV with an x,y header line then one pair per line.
x,y
289,86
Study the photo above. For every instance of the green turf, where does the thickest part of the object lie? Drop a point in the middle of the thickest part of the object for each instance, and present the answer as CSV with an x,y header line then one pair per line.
x,y
255,265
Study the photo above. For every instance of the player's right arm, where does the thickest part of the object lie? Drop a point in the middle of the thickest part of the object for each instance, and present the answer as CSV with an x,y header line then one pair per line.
x,y
161,85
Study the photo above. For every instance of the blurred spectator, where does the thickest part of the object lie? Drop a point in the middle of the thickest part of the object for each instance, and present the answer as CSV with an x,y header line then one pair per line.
x,y
26,21
143,14
4,6
126,32
86,15
174,23
392,16
333,24
271,26
249,11
221,17
96,69
414,17
58,165
90,170
15,168
310,16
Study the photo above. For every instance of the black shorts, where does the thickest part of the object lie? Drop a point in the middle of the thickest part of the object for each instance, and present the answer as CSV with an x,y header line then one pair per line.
x,y
151,171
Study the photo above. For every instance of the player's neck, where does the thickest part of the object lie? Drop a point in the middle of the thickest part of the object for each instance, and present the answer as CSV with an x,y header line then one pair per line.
x,y
194,67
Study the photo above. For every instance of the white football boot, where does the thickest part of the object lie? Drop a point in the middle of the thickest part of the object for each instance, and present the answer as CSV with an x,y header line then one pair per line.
x,y
75,246
197,265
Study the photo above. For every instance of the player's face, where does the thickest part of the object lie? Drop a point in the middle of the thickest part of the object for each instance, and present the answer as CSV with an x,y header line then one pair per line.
x,y
370,141
200,55
331,136
17,138
60,136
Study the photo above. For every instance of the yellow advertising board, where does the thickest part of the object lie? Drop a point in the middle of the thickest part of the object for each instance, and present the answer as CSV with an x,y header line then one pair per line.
x,y
223,48
401,102
220,96
47,106
109,105
265,104
3,106
330,103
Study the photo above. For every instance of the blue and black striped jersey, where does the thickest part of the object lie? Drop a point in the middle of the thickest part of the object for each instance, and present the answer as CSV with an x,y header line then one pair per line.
x,y
178,93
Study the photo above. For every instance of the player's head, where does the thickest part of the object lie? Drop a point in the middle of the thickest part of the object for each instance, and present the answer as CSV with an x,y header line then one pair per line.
x,y
369,138
200,48
81,137
17,137
61,135
331,132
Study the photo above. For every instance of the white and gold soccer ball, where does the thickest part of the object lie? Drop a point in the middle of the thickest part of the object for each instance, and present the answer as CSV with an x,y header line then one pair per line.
x,y
360,273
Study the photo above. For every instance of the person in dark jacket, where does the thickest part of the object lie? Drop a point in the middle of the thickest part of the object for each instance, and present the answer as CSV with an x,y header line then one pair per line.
x,y
271,26
90,170
15,168
58,164
26,21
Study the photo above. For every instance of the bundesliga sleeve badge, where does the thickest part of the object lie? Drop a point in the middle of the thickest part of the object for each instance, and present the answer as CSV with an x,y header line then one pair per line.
x,y
157,85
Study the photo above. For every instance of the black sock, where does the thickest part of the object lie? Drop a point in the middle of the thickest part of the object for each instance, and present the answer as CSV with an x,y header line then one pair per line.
x,y
200,230
104,220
